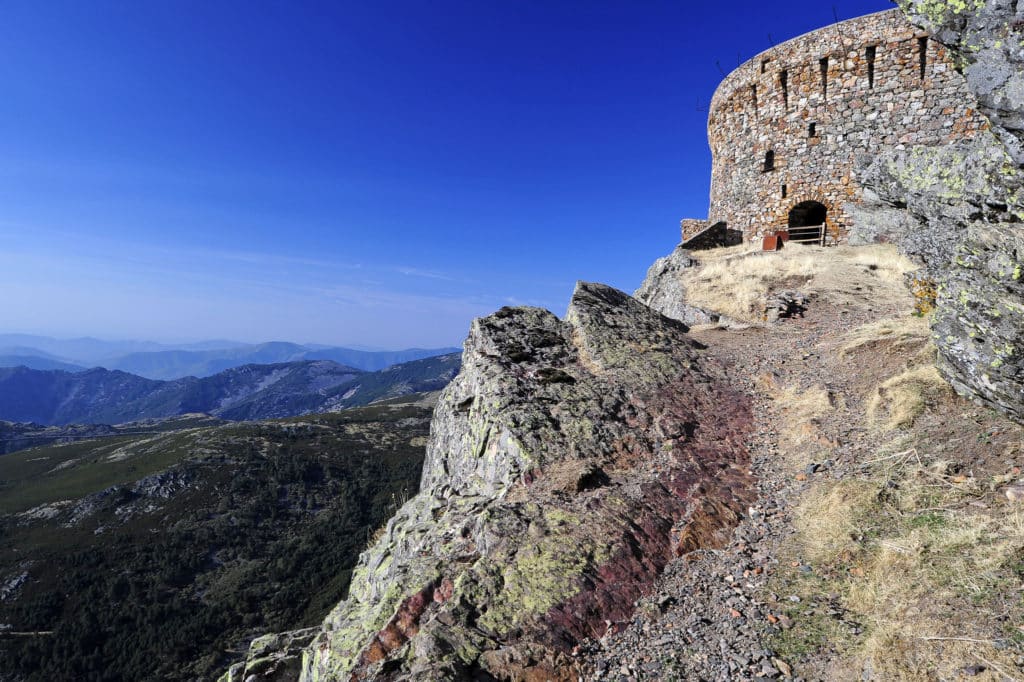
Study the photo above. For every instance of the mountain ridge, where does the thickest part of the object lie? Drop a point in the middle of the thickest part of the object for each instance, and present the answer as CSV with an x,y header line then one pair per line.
x,y
201,359
102,396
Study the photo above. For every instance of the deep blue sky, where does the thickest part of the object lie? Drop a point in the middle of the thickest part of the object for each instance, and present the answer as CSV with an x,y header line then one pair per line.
x,y
364,173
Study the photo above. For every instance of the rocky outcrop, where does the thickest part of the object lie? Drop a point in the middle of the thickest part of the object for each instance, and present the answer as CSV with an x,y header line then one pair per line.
x,y
925,198
568,462
959,209
16,436
273,658
663,289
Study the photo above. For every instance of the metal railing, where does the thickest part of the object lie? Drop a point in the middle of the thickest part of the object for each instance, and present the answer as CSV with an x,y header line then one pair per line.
x,y
808,234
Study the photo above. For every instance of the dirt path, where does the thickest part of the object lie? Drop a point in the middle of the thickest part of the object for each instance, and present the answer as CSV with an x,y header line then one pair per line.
x,y
711,615
759,609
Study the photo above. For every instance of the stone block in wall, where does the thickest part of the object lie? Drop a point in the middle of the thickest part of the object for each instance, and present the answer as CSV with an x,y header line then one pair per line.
x,y
692,227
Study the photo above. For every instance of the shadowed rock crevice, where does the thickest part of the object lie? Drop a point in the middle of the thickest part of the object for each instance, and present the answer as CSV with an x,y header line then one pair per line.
x,y
569,462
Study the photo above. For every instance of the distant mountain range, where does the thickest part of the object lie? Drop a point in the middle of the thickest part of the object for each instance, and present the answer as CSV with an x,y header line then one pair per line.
x,y
203,359
101,396
37,362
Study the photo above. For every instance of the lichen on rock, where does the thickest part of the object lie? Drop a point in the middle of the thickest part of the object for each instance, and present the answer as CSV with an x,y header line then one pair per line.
x,y
964,217
569,461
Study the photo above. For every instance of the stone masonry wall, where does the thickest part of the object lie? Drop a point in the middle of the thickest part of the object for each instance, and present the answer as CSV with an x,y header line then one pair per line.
x,y
691,227
817,103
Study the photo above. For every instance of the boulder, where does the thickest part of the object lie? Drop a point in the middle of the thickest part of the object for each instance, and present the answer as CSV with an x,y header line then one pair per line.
x,y
663,289
569,461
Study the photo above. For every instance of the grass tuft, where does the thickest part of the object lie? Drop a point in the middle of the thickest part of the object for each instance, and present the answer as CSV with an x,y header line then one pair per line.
x,y
901,399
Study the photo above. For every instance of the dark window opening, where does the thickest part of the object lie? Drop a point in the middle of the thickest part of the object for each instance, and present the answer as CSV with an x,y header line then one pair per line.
x,y
823,63
922,55
769,161
869,55
784,191
764,65
753,96
807,222
812,130
784,83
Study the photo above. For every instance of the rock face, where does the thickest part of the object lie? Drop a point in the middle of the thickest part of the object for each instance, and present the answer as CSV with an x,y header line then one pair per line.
x,y
985,37
569,461
964,217
273,658
664,291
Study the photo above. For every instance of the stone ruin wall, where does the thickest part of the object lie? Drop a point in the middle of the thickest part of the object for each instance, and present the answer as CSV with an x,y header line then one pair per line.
x,y
854,113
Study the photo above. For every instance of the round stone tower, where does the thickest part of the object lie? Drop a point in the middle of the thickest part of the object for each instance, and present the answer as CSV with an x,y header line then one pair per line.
x,y
787,127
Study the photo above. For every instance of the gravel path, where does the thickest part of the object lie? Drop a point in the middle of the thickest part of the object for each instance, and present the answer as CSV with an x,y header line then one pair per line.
x,y
712,615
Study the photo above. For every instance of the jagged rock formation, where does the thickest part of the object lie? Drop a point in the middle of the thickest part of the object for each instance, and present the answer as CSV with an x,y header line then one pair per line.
x,y
274,658
663,289
569,461
965,206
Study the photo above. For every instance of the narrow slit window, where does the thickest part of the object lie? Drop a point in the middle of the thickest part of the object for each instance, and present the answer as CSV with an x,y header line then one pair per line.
x,y
869,56
784,84
823,63
784,191
922,55
812,130
753,96
769,162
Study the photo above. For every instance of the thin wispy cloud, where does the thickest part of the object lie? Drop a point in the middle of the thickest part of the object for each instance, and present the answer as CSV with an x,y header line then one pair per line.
x,y
426,274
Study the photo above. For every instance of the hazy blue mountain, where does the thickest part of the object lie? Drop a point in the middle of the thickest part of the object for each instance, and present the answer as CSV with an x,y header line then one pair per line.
x,y
201,359
37,362
90,352
83,351
375,360
14,349
173,364
101,396
97,396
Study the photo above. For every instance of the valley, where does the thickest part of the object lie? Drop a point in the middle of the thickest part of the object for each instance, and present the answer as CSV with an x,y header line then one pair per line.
x,y
160,554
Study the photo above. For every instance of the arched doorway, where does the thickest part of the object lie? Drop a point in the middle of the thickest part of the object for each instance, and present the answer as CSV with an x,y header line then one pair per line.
x,y
807,222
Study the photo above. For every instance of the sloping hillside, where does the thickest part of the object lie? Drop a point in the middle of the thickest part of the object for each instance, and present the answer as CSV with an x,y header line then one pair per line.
x,y
160,555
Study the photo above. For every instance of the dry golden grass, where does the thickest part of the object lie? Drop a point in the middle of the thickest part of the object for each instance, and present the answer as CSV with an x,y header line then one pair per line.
x,y
901,399
912,559
802,439
735,281
899,333
802,411
829,519
922,556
